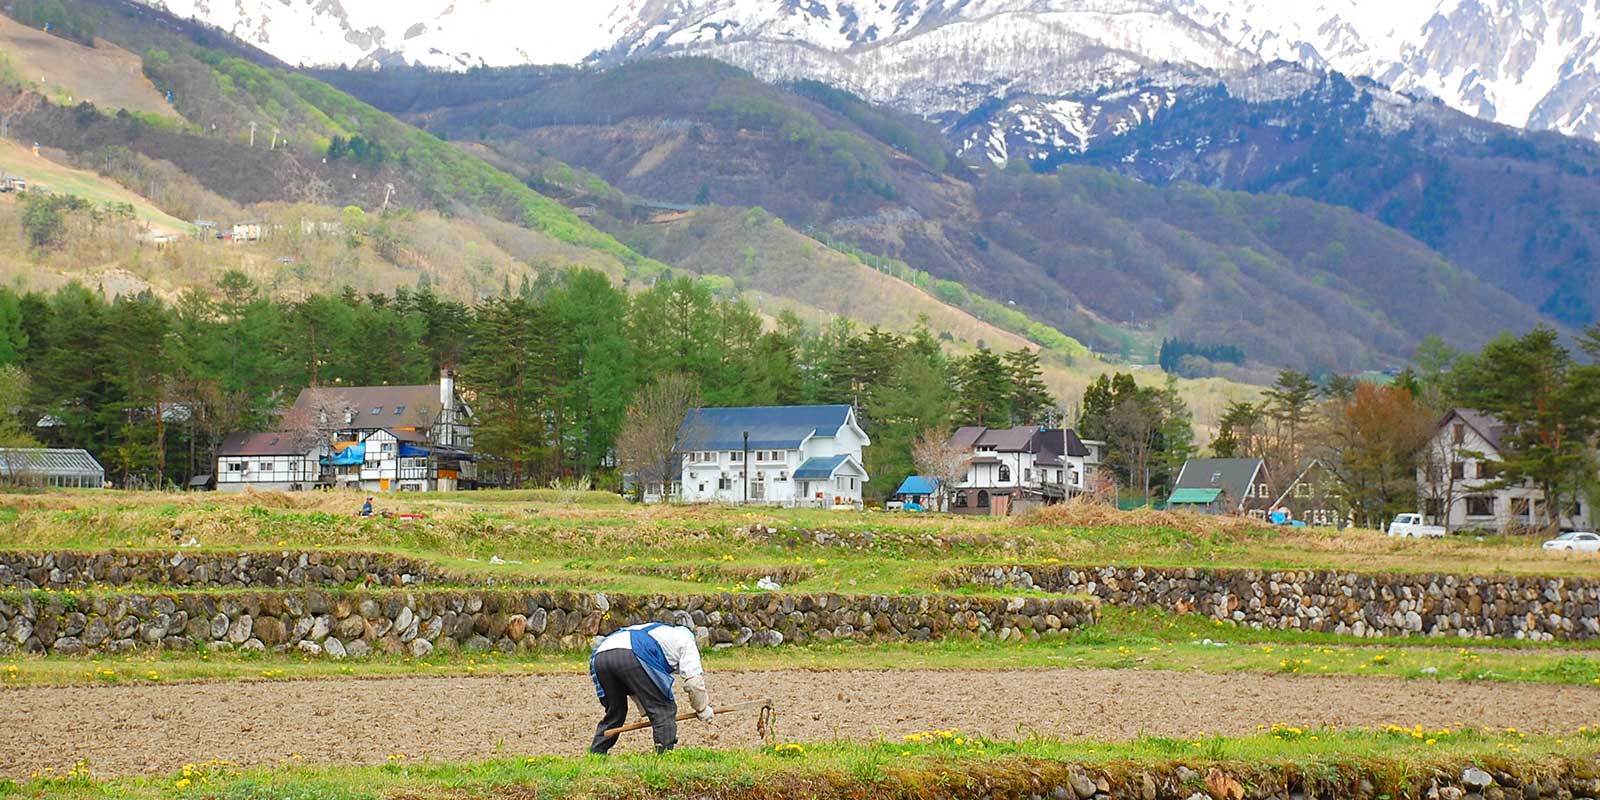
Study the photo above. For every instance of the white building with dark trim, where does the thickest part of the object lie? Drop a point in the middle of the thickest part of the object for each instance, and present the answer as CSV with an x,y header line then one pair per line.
x,y
773,455
271,461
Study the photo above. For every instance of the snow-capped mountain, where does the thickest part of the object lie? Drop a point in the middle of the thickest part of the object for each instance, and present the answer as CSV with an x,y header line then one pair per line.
x,y
1532,63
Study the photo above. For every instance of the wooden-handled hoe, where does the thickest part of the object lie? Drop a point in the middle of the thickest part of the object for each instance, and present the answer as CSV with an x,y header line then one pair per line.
x,y
764,719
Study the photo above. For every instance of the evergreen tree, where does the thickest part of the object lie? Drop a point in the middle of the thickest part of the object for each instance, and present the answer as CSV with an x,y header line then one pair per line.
x,y
1031,403
984,393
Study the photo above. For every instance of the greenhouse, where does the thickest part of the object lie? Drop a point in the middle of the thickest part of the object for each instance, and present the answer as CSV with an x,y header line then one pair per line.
x,y
37,466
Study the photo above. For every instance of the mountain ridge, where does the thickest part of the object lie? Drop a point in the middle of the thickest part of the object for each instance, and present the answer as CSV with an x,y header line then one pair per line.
x,y
1527,63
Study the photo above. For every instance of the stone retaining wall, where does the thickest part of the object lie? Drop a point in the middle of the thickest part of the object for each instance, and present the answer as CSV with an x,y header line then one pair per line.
x,y
202,569
342,624
1521,607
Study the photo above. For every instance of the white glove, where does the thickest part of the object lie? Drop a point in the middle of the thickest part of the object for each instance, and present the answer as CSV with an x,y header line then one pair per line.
x,y
705,714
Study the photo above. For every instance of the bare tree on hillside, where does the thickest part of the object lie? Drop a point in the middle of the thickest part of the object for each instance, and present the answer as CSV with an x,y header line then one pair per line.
x,y
941,459
647,443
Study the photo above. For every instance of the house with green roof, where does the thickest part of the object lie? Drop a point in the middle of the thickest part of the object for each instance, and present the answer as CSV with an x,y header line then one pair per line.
x,y
1237,486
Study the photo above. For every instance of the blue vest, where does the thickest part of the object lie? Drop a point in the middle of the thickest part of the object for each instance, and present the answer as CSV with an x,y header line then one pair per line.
x,y
648,651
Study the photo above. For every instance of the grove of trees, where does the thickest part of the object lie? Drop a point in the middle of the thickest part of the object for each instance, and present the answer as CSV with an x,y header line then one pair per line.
x,y
550,370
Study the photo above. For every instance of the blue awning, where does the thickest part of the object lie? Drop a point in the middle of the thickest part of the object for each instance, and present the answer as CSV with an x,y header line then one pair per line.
x,y
918,485
350,456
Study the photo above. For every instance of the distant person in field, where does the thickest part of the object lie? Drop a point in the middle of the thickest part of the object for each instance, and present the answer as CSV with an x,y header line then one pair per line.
x,y
639,661
366,508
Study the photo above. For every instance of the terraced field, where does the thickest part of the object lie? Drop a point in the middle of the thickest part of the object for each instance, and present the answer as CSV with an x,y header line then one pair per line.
x,y
295,649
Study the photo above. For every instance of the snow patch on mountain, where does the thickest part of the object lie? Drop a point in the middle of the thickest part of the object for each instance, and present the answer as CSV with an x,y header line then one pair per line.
x,y
1533,63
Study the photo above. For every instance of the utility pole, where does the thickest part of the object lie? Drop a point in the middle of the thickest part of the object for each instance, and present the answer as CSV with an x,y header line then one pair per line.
x,y
746,474
252,134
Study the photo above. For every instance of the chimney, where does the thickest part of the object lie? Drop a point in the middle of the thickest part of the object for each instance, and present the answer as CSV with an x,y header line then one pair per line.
x,y
447,391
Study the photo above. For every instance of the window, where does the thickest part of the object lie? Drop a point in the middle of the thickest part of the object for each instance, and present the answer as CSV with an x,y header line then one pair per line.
x,y
235,466
1263,491
398,410
737,456
1005,473
1520,507
1458,470
961,500
1216,476
1488,470
1434,507
702,488
266,466
376,410
1458,433
724,484
1302,489
1479,505
983,499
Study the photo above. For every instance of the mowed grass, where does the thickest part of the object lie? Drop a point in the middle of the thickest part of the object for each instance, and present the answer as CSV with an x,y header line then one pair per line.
x,y
1122,640
944,763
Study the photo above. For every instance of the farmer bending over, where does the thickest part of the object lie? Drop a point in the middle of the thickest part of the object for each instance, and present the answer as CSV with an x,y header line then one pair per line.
x,y
640,661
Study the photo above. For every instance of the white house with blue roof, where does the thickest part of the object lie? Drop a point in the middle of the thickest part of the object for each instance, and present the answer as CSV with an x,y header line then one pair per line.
x,y
773,455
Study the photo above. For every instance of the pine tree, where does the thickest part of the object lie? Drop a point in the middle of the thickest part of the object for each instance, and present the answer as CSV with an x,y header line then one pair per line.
x,y
985,390
1031,403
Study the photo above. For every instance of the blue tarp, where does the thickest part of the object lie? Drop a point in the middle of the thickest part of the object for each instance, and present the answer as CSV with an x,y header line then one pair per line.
x,y
350,456
413,451
916,485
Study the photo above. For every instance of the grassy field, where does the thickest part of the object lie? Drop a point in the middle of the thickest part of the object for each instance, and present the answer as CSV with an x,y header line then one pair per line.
x,y
942,763
44,174
1122,640
599,542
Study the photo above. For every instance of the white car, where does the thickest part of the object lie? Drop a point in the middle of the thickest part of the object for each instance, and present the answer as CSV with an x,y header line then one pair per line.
x,y
1577,541
1412,525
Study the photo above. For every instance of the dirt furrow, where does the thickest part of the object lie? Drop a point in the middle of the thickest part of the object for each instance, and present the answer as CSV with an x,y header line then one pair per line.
x,y
158,728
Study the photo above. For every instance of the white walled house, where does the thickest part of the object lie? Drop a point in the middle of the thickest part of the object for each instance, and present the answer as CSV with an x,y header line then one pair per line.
x,y
1012,466
797,455
272,461
1459,480
391,438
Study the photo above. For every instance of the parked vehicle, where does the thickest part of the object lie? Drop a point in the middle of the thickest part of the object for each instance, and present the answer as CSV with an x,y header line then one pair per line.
x,y
1575,541
1412,526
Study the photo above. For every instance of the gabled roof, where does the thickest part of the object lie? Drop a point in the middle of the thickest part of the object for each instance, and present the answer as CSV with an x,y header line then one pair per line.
x,y
1311,465
1231,475
770,427
820,468
49,461
1488,426
270,443
1052,444
372,406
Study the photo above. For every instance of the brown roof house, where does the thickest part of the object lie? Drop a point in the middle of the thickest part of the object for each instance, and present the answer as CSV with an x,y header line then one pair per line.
x,y
1009,469
1461,487
386,438
272,461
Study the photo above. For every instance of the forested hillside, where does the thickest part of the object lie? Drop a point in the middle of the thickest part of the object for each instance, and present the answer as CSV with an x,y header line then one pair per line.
x,y
1113,263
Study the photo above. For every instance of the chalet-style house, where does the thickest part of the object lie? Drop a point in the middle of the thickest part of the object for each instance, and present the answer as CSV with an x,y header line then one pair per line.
x,y
1223,486
1313,497
370,438
1460,485
773,455
1009,469
283,461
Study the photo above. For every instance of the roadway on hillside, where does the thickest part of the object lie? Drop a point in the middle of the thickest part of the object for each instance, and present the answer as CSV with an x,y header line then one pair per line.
x,y
141,729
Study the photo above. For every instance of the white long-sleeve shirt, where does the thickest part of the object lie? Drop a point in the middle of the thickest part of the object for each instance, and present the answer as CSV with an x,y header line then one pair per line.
x,y
677,644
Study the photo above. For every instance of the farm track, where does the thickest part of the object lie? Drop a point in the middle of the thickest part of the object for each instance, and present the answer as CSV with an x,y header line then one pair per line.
x,y
144,729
